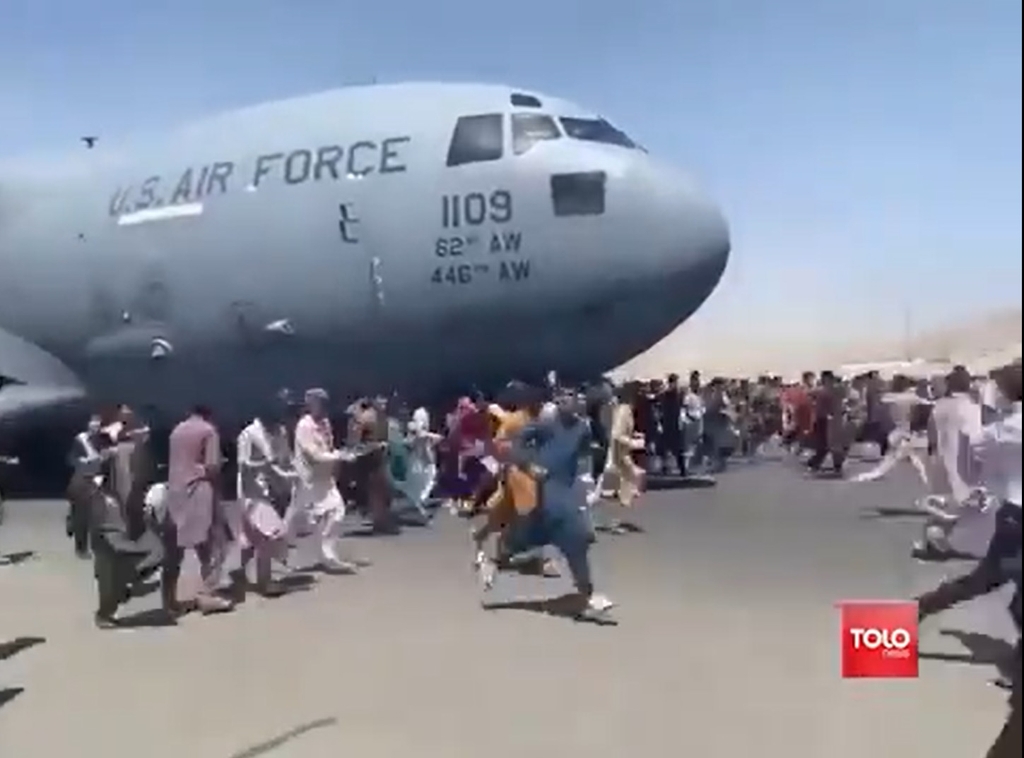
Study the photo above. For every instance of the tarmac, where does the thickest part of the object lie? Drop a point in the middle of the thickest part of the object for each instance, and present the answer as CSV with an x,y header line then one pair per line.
x,y
726,644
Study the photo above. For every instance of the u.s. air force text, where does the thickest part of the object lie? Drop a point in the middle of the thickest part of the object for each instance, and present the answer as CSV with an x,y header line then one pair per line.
x,y
287,167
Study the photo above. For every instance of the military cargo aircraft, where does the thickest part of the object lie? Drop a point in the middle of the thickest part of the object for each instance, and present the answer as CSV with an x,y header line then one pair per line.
x,y
408,237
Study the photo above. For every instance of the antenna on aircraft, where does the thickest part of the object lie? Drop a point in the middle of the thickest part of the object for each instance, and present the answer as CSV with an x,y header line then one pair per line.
x,y
90,142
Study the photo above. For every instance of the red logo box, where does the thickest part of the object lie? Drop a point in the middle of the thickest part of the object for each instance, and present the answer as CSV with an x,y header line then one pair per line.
x,y
879,639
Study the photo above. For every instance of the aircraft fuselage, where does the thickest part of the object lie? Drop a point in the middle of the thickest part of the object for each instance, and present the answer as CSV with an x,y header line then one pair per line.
x,y
399,238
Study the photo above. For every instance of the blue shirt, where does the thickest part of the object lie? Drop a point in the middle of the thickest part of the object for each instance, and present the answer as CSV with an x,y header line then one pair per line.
x,y
556,447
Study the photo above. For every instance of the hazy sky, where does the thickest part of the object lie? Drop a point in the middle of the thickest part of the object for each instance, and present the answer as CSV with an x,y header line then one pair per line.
x,y
867,152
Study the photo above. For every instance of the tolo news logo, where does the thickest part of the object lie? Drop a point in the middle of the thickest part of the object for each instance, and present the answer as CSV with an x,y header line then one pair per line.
x,y
879,639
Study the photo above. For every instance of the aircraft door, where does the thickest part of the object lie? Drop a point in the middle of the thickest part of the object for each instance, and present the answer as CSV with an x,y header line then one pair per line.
x,y
369,266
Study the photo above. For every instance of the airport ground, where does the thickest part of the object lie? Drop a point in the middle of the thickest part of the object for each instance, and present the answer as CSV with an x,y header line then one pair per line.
x,y
726,646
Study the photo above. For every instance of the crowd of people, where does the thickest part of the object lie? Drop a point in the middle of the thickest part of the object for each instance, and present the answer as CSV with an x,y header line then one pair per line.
x,y
528,466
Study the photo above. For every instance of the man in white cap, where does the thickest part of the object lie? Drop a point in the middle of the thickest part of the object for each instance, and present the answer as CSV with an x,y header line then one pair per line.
x,y
317,498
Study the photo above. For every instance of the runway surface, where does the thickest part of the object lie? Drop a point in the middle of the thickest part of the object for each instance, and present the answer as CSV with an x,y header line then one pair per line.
x,y
726,645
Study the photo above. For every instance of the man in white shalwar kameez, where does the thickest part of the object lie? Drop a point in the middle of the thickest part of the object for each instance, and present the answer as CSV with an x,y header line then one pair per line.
x,y
263,534
620,467
993,404
954,477
422,474
901,403
693,421
317,499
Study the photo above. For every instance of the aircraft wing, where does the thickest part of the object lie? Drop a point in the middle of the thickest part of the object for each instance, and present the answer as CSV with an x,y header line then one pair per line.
x,y
32,380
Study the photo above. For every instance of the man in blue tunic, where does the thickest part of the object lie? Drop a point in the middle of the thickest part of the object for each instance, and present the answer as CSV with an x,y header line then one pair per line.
x,y
551,451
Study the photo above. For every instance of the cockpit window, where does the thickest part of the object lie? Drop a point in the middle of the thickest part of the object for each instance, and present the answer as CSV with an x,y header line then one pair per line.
x,y
578,194
477,139
530,128
520,100
595,130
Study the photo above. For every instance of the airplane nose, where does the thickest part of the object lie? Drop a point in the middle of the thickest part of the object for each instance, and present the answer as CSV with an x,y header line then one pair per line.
x,y
706,244
658,247
689,242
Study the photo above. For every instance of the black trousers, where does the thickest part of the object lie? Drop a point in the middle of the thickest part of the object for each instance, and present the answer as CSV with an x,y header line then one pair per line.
x,y
1008,741
874,431
370,487
116,572
821,439
598,459
112,579
78,524
791,437
670,445
989,574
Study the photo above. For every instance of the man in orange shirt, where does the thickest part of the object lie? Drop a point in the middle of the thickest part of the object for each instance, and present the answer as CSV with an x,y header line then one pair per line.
x,y
516,494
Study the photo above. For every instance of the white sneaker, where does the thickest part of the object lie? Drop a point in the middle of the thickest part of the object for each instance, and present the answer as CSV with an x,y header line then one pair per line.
x,y
867,476
599,604
487,571
933,507
338,566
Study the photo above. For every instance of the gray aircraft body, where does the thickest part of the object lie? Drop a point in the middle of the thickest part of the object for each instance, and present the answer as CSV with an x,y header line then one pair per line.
x,y
409,237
